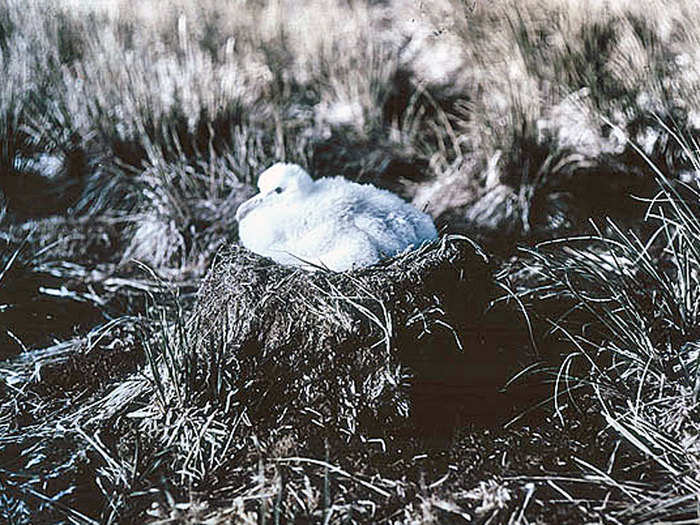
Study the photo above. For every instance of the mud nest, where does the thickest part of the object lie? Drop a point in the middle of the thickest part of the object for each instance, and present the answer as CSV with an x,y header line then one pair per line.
x,y
354,351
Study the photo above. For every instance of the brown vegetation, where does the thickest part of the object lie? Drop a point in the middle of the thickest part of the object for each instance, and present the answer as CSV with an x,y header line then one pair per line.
x,y
152,370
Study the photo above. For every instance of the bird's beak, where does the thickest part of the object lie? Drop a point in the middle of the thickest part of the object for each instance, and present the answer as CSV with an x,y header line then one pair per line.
x,y
248,206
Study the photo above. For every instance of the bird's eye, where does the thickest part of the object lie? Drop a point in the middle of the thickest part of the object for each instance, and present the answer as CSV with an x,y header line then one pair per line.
x,y
278,190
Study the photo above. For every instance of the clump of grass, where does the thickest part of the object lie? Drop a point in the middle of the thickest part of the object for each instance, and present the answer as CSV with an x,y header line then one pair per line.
x,y
534,80
628,324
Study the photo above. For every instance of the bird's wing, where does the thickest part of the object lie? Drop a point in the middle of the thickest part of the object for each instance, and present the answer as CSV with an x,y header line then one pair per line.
x,y
389,234
406,222
353,249
422,224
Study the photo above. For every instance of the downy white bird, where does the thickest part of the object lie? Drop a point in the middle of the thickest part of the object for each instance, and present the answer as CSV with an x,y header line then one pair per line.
x,y
331,222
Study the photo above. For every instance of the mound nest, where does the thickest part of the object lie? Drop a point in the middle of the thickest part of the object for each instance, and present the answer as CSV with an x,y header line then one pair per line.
x,y
346,350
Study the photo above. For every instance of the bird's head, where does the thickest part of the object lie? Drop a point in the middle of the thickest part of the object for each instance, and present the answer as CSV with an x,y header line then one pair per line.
x,y
283,177
276,184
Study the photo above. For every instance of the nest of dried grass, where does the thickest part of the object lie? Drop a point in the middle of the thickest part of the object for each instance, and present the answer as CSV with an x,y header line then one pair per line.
x,y
342,349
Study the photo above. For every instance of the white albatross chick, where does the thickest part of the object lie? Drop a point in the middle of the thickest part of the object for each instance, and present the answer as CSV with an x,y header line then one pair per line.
x,y
331,222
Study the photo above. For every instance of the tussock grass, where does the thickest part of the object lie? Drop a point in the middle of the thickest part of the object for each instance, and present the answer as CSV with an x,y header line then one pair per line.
x,y
143,378
623,308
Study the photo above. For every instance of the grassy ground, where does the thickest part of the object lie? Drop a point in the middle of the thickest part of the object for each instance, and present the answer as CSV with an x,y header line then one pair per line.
x,y
563,139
